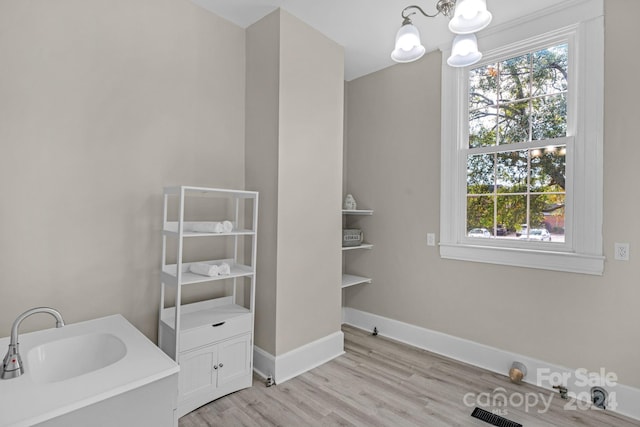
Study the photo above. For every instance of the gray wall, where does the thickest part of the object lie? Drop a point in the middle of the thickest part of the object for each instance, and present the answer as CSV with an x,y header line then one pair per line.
x,y
393,152
261,160
309,185
294,158
102,103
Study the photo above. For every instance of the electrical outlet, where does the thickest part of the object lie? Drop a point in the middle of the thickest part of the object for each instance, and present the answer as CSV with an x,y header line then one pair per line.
x,y
622,251
431,239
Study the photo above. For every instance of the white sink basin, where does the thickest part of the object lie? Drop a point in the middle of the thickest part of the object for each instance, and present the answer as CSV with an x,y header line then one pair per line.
x,y
71,357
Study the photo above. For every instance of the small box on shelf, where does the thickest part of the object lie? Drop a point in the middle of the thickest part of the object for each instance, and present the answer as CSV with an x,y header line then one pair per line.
x,y
351,237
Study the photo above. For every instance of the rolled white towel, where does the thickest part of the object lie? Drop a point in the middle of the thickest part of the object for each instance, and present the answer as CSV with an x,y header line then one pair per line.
x,y
224,269
208,227
205,269
227,226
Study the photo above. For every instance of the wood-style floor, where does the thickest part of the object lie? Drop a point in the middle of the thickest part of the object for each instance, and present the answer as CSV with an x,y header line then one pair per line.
x,y
380,382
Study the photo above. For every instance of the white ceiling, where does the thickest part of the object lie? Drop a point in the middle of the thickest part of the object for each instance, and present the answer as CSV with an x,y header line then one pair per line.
x,y
366,28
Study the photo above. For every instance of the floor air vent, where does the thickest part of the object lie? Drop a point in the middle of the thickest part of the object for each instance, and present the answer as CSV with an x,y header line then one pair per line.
x,y
493,419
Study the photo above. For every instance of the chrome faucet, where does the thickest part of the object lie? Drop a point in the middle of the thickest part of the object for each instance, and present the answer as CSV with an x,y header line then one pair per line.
x,y
12,364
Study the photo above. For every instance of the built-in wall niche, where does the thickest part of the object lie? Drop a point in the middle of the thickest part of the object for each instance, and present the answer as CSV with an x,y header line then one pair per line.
x,y
351,221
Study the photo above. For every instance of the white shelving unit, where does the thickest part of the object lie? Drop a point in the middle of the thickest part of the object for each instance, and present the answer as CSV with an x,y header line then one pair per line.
x,y
211,339
351,279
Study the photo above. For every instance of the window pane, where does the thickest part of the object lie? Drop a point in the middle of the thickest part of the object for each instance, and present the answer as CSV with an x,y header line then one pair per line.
x,y
513,123
511,213
548,169
549,117
482,127
554,217
537,204
512,171
515,76
480,174
546,218
480,213
550,70
483,87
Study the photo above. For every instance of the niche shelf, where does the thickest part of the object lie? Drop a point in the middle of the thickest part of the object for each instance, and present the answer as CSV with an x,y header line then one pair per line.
x,y
352,279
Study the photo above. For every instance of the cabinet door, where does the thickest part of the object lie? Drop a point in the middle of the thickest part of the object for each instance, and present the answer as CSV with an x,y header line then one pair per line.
x,y
234,359
196,371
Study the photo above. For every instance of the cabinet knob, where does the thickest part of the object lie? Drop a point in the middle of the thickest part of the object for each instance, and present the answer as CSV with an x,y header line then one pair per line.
x,y
220,365
215,366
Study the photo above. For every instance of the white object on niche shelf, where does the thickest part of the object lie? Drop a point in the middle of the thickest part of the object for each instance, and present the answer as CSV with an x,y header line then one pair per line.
x,y
350,203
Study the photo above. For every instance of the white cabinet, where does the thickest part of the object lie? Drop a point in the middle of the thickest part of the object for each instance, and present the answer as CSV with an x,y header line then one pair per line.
x,y
213,371
211,338
351,217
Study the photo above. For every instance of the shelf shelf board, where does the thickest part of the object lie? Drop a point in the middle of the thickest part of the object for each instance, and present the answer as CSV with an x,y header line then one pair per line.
x,y
362,246
171,229
357,211
169,274
352,280
215,192
203,313
199,234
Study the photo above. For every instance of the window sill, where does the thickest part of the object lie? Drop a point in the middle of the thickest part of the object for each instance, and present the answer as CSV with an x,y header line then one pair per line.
x,y
546,260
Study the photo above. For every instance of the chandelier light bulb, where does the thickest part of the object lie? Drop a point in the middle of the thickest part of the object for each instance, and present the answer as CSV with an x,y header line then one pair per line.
x,y
464,51
408,46
408,38
466,11
470,16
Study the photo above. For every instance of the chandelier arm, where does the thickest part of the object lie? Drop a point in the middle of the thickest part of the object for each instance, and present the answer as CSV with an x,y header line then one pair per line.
x,y
444,7
407,15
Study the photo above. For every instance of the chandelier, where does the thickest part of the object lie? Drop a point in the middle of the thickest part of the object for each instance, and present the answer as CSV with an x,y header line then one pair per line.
x,y
466,18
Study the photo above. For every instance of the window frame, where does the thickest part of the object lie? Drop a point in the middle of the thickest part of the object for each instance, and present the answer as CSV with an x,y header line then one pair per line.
x,y
581,25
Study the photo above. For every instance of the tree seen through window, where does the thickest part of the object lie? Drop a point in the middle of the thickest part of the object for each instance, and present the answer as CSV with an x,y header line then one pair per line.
x,y
516,154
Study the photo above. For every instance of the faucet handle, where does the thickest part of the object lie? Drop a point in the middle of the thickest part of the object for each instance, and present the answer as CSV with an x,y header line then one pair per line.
x,y
12,364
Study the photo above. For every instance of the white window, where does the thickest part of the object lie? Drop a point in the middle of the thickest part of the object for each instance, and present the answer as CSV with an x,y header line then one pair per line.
x,y
522,145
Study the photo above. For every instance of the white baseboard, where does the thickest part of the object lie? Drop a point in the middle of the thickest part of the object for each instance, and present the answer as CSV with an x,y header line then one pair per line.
x,y
263,363
627,399
299,360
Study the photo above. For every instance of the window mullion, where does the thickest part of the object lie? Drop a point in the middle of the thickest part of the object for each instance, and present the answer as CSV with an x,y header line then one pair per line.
x,y
518,146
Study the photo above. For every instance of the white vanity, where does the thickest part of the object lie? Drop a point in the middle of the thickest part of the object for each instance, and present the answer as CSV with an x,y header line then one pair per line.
x,y
99,373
